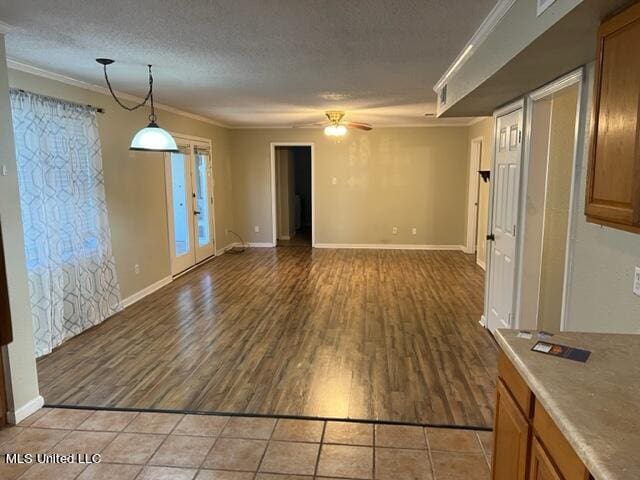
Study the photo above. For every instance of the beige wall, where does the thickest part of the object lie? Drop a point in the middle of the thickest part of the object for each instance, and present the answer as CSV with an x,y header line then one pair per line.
x,y
483,129
601,297
134,181
404,177
22,381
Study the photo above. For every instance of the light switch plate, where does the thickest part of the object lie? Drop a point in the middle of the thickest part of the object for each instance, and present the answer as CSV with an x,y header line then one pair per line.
x,y
636,281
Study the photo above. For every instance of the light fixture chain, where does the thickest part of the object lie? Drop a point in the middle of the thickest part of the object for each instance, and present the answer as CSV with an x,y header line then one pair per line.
x,y
135,107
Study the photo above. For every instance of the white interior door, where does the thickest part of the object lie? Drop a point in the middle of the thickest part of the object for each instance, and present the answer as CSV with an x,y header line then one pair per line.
x,y
189,183
504,228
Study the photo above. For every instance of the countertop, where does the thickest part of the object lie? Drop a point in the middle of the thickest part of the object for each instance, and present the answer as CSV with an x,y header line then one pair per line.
x,y
595,404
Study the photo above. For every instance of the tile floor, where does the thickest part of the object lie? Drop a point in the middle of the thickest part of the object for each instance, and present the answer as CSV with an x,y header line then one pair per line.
x,y
167,446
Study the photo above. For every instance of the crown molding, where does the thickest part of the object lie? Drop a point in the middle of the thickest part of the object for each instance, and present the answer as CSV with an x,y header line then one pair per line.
x,y
376,127
484,30
41,72
476,120
5,28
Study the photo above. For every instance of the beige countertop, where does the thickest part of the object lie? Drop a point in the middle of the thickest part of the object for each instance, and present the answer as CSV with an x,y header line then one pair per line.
x,y
595,404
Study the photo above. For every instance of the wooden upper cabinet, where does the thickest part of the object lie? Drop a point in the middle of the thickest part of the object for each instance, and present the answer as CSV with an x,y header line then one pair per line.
x,y
613,182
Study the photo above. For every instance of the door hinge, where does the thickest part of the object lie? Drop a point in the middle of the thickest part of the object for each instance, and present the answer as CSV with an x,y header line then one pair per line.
x,y
519,136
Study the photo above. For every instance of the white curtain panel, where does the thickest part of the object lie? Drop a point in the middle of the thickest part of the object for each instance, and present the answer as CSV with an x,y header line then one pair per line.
x,y
72,274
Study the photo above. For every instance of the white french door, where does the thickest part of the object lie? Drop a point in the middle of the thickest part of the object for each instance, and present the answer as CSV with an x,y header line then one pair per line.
x,y
189,182
504,221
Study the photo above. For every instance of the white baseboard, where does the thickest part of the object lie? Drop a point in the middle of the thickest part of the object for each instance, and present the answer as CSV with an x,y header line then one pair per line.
x,y
146,291
260,244
224,250
481,264
31,407
483,321
389,246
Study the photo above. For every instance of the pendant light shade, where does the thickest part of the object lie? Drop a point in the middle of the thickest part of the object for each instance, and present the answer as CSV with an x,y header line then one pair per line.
x,y
152,138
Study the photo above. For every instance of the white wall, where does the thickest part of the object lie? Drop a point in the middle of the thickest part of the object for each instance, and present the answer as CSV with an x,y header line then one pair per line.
x,y
601,297
18,356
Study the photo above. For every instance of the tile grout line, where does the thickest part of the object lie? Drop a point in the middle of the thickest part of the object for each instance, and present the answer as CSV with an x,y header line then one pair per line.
x,y
484,452
264,453
324,429
373,472
430,454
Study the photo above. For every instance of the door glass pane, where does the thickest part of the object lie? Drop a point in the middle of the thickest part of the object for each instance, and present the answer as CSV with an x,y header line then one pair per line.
x,y
180,203
202,199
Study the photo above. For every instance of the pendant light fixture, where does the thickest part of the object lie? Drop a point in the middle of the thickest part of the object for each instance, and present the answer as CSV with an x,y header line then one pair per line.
x,y
151,138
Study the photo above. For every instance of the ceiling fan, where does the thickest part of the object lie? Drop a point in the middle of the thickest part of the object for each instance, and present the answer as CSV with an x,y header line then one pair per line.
x,y
335,127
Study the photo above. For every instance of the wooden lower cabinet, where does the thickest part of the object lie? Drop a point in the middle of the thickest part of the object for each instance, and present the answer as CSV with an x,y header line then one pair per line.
x,y
527,445
542,467
512,443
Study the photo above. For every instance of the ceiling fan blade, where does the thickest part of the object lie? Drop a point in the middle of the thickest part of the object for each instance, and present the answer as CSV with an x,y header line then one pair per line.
x,y
361,126
316,124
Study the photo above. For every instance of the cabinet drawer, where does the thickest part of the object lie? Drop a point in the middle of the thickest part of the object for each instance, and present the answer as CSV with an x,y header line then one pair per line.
x,y
516,385
561,453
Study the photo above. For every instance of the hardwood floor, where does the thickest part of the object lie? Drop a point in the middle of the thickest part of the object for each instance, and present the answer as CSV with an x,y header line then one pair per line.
x,y
367,334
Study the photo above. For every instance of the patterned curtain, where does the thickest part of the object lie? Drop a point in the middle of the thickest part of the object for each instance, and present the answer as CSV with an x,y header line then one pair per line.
x,y
72,275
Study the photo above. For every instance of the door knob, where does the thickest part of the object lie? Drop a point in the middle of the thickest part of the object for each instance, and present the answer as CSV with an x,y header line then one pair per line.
x,y
491,237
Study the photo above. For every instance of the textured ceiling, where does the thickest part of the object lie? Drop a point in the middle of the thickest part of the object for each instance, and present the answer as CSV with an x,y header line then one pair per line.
x,y
255,62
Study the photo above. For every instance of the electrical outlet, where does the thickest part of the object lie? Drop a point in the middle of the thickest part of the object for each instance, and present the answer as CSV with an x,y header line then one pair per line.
x,y
414,231
394,230
136,269
4,171
256,229
636,281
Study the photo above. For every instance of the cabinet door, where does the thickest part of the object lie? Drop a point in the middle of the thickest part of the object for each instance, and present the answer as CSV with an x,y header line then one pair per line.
x,y
613,187
511,433
542,467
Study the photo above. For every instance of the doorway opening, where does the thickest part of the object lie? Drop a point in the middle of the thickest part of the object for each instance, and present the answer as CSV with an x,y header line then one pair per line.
x,y
474,199
292,179
189,188
548,207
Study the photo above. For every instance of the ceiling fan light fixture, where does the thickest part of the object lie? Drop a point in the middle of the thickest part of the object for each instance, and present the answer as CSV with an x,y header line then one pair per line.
x,y
335,130
152,138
